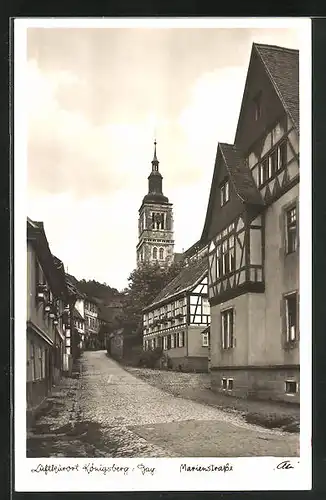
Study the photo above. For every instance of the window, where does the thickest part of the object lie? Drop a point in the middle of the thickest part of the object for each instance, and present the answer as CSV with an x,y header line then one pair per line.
x,y
257,106
224,383
205,339
230,384
165,343
154,253
281,155
225,194
272,164
227,329
173,341
291,230
291,387
291,312
161,253
181,339
158,220
263,171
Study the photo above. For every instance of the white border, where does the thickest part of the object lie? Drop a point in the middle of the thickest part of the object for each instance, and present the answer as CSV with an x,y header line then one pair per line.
x,y
248,473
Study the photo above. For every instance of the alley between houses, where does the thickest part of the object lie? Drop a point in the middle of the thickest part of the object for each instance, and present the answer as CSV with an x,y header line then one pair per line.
x,y
105,411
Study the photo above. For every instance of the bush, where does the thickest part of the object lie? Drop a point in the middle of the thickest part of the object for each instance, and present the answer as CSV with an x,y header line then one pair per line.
x,y
274,421
149,359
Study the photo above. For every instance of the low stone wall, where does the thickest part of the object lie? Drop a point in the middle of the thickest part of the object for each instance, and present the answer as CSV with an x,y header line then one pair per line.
x,y
189,364
257,383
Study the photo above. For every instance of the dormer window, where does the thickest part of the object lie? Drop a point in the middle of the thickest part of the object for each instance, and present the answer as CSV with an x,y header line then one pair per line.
x,y
225,192
257,106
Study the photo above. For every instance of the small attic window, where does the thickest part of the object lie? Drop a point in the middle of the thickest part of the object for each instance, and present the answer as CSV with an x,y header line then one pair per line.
x,y
257,106
225,192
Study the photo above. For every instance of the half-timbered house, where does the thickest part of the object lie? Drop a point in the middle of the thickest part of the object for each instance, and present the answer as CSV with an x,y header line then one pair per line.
x,y
251,228
45,327
178,315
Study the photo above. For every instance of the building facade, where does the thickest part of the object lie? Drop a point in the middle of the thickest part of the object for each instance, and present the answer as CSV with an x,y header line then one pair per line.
x,y
155,222
177,317
251,228
45,322
92,324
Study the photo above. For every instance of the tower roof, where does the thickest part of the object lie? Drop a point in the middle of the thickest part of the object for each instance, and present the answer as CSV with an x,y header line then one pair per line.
x,y
155,193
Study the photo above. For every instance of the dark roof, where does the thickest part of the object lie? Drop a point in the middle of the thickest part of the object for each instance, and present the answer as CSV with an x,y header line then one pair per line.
x,y
240,175
52,266
155,198
178,256
184,281
72,284
72,279
194,248
282,66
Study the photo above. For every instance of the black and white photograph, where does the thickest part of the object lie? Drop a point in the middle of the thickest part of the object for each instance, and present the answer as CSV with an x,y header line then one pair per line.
x,y
163,333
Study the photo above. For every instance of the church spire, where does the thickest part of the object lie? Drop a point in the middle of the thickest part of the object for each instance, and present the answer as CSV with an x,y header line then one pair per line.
x,y
155,161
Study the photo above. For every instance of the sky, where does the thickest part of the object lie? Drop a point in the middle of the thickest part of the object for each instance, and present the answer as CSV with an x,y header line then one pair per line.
x,y
96,100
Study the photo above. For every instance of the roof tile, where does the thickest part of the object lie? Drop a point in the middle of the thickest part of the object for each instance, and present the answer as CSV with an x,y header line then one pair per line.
x,y
187,277
282,64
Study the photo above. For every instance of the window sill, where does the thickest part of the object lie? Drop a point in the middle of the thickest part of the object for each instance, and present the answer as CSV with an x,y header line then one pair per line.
x,y
292,252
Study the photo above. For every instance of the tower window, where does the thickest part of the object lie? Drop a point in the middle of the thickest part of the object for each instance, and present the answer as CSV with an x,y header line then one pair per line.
x,y
161,253
155,253
158,220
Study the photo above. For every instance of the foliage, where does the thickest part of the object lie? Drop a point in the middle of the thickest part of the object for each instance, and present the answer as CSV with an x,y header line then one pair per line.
x,y
93,288
145,359
145,283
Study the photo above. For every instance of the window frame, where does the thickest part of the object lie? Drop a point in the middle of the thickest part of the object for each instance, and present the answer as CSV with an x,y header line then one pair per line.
x,y
205,340
227,338
288,336
286,386
289,226
224,192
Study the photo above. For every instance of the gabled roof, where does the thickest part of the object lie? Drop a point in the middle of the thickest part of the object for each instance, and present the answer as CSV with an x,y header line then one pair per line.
x,y
196,247
51,265
183,282
72,285
240,176
282,66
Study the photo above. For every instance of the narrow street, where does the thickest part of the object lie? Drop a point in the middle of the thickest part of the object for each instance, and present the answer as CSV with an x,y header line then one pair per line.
x,y
105,411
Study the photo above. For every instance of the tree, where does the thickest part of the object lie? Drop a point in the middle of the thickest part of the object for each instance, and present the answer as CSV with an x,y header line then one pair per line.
x,y
145,283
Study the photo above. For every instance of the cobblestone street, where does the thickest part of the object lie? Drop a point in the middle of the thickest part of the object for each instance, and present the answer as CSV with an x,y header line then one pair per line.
x,y
105,411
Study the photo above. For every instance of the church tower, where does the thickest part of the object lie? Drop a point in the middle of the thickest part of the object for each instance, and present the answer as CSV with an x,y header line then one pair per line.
x,y
155,223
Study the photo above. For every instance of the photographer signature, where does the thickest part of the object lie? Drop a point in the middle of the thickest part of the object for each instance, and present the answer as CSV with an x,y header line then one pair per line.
x,y
286,464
